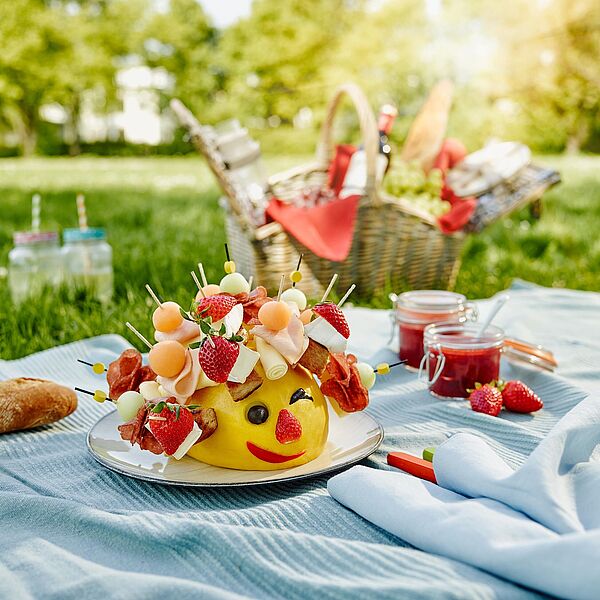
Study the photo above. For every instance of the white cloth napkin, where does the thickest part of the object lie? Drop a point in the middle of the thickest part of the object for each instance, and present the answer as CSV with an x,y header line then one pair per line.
x,y
538,526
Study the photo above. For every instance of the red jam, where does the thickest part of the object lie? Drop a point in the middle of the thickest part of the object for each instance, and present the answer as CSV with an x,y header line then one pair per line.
x,y
466,359
415,310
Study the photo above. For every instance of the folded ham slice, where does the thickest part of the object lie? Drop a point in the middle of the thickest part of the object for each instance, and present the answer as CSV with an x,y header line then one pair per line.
x,y
289,342
126,373
186,333
183,385
252,302
343,384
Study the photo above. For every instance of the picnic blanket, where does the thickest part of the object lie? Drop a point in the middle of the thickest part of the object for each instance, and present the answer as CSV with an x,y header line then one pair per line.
x,y
72,529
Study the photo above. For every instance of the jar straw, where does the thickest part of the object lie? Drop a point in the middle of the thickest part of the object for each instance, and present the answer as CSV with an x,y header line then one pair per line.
x,y
81,212
35,212
500,302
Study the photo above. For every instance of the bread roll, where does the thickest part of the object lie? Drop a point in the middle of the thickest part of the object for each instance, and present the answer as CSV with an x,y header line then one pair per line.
x,y
27,403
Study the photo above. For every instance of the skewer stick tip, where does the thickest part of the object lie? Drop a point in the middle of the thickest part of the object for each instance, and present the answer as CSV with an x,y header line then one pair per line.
x,y
138,334
329,287
154,296
202,274
281,281
198,284
346,295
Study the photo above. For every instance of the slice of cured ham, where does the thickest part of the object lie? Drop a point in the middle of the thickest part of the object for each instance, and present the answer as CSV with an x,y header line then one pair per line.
x,y
186,333
343,383
183,385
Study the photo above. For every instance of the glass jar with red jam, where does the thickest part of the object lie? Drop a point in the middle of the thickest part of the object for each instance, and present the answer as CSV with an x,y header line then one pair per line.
x,y
456,357
417,309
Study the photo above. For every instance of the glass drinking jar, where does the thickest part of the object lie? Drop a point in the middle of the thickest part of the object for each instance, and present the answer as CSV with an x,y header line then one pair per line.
x,y
456,358
87,260
33,263
417,309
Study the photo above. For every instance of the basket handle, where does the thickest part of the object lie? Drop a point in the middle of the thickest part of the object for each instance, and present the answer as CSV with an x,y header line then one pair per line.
x,y
215,163
368,129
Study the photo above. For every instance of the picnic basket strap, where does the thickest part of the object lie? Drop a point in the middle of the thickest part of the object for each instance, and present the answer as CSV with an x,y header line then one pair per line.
x,y
368,129
213,158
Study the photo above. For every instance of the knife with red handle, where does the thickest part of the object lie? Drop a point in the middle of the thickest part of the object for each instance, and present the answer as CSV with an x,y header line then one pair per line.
x,y
413,465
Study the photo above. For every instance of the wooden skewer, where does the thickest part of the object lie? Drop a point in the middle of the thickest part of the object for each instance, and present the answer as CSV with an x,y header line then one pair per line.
x,y
198,284
346,295
202,275
298,267
400,362
154,296
250,282
227,252
89,364
329,287
78,389
139,335
280,287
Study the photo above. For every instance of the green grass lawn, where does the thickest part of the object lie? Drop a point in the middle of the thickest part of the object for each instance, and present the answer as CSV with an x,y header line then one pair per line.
x,y
162,218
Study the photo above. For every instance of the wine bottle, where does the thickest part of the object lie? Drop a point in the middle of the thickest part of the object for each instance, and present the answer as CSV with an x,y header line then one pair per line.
x,y
355,181
387,115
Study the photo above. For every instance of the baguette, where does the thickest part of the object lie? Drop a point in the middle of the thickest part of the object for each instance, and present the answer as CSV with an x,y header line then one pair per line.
x,y
27,403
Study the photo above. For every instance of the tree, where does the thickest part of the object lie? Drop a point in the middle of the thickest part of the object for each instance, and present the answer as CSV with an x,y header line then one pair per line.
x,y
274,60
32,42
54,51
182,41
551,67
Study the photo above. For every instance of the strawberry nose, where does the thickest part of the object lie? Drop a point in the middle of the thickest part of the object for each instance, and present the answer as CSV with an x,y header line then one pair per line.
x,y
288,428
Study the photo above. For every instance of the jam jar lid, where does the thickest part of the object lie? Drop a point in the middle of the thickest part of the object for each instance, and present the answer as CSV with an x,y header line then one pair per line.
x,y
75,234
21,238
463,336
529,354
430,301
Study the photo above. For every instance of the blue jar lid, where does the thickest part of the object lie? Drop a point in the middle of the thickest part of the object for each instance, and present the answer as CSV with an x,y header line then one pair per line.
x,y
83,235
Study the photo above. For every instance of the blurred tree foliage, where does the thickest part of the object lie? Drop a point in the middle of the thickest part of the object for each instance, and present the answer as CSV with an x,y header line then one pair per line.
x,y
523,69
55,51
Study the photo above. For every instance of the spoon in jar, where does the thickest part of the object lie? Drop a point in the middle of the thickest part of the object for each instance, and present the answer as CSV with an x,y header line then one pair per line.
x,y
500,302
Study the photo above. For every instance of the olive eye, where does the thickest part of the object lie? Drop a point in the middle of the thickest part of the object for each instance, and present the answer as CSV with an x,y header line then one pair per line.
x,y
300,394
257,414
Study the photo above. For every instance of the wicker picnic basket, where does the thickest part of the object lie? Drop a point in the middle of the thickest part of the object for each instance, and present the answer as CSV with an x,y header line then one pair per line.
x,y
394,244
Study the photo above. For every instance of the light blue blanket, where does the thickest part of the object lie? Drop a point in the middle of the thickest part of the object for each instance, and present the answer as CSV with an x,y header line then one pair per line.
x,y
71,529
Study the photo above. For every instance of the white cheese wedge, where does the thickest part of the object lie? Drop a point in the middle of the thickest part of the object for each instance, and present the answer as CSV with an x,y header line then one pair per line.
x,y
327,335
189,441
233,320
246,361
150,390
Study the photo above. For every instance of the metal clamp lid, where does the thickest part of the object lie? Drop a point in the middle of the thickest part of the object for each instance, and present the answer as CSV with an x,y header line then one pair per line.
x,y
531,354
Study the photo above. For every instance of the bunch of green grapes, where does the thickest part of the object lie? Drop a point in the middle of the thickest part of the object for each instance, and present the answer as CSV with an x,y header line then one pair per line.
x,y
407,180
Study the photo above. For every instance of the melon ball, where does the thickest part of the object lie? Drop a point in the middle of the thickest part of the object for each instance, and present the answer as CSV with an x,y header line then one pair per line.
x,y
234,283
306,316
366,373
167,317
167,358
296,296
128,404
275,315
212,289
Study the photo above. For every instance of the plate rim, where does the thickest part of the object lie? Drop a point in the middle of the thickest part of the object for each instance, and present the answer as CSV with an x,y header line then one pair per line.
x,y
380,433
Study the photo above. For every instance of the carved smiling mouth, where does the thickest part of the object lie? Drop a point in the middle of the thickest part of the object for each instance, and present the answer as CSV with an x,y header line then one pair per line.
x,y
270,457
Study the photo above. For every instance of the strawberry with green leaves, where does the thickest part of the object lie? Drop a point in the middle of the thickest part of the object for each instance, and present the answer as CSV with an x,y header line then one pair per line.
x,y
170,424
486,399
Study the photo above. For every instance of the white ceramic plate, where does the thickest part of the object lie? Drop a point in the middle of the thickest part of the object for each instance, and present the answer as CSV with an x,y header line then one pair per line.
x,y
351,438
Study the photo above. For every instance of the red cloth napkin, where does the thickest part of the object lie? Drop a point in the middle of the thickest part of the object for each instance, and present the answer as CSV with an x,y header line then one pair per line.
x,y
451,153
326,229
